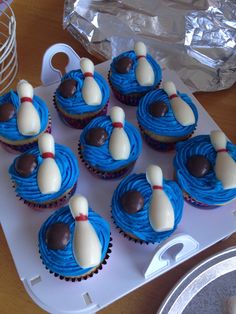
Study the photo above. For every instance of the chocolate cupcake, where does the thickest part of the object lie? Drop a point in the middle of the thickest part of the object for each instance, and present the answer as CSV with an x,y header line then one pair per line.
x,y
74,242
133,74
45,178
206,183
147,208
82,95
103,153
23,118
160,125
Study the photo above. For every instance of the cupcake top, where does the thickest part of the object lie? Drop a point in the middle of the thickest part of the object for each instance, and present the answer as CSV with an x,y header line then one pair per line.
x,y
57,254
100,156
24,171
126,82
69,93
132,214
8,121
155,114
201,181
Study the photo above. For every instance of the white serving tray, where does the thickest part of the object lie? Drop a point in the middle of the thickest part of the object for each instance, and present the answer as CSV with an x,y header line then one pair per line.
x,y
130,265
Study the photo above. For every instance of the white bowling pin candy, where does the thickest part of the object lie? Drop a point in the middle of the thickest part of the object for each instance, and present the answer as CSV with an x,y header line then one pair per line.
x,y
86,244
182,111
49,176
90,91
144,71
28,121
225,166
119,144
161,213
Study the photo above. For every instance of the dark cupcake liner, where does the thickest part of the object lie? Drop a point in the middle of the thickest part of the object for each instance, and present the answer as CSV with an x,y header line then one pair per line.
x,y
55,204
126,235
85,277
104,174
11,148
161,146
76,122
198,204
129,99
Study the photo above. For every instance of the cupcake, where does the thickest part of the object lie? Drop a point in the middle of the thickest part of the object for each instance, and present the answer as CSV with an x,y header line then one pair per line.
x,y
82,95
23,117
205,169
45,176
74,242
109,146
146,207
166,117
133,74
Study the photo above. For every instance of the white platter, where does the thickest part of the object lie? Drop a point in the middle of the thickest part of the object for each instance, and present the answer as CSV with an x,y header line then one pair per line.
x,y
129,264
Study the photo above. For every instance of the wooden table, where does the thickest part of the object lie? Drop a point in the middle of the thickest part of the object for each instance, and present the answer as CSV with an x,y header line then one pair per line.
x,y
39,25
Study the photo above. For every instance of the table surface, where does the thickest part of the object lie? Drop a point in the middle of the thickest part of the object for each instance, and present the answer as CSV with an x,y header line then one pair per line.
x,y
39,25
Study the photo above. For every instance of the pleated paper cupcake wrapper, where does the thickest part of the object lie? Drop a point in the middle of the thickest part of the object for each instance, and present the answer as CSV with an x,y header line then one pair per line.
x,y
104,174
127,236
76,122
129,99
161,146
198,204
89,275
16,149
55,204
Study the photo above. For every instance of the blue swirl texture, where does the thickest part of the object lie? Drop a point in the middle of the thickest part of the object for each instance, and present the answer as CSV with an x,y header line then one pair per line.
x,y
166,125
27,187
9,129
100,157
208,189
127,83
138,223
76,103
62,262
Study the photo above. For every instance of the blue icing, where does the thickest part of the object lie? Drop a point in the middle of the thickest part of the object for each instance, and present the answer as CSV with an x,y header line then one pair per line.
x,y
76,104
138,224
28,189
127,83
9,128
62,262
208,189
100,157
166,125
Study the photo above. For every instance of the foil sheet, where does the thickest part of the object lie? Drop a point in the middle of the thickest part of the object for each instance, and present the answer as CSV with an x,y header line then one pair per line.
x,y
196,38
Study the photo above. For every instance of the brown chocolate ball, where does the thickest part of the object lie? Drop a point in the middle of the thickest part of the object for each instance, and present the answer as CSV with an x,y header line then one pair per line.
x,y
57,236
25,164
123,65
96,136
7,111
132,201
158,109
67,88
198,166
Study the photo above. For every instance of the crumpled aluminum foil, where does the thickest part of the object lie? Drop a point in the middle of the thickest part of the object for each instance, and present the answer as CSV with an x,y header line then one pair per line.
x,y
196,38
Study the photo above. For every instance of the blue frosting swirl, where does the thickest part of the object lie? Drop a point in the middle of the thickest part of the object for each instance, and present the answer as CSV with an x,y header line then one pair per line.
x,y
9,129
76,104
166,125
127,83
62,262
138,224
100,157
28,189
208,189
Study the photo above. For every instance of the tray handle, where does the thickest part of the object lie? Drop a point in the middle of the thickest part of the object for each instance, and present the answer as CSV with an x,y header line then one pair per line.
x,y
51,75
170,253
